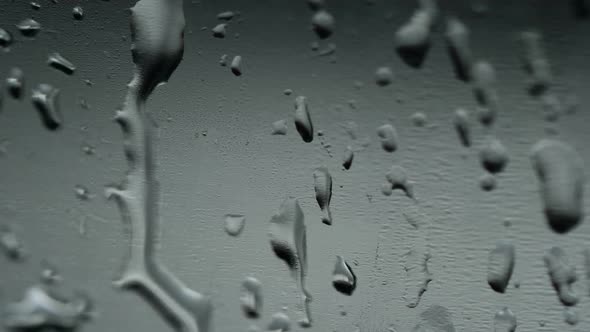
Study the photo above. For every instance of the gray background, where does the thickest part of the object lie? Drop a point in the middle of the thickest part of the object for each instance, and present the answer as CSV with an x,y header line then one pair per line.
x,y
238,167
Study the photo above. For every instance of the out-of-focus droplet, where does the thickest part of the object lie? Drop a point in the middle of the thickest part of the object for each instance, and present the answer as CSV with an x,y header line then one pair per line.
x,y
570,316
562,275
500,266
234,224
279,322
504,321
399,180
15,82
288,241
316,4
29,27
236,65
419,119
348,157
226,16
60,63
328,50
302,118
40,309
536,63
459,49
552,107
45,100
493,156
343,279
6,38
480,7
462,126
251,299
88,149
78,13
82,193
383,76
35,5
219,30
223,60
388,136
279,127
323,24
287,92
487,182
560,171
484,88
386,189
11,245
323,192
412,39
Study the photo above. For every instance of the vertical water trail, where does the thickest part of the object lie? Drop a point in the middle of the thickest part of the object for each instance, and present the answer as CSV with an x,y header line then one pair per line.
x,y
157,28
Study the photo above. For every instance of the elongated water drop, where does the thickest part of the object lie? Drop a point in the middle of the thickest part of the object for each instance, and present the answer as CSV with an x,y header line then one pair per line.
x,y
500,266
459,49
483,75
348,158
343,279
60,63
15,83
462,126
226,16
6,38
251,299
560,171
45,100
504,321
562,275
303,122
288,241
236,65
323,192
570,316
536,63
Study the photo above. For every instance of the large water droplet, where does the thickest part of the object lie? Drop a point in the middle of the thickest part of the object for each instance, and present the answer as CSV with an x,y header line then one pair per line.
x,y
303,122
60,63
219,30
343,279
279,322
236,65
457,37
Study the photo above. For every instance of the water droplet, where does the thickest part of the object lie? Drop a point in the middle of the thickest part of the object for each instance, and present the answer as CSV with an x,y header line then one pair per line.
x,y
236,65
49,273
251,299
348,157
39,310
45,99
536,63
78,13
398,179
461,123
343,279
88,149
29,27
303,122
219,30
504,321
60,63
419,119
560,171
11,245
288,242
383,76
234,224
562,275
5,38
386,189
323,23
287,92
570,316
484,90
35,5
388,136
15,82
226,16
323,192
493,156
279,322
487,182
412,39
279,127
500,266
459,49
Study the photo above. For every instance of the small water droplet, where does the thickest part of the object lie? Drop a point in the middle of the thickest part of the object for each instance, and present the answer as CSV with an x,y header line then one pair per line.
x,y
462,126
15,82
279,127
383,76
29,27
487,182
234,224
316,4
287,92
60,63
223,60
78,13
348,157
49,273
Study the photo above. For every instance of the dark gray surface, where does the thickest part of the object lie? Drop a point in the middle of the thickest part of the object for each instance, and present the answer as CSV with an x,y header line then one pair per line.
x,y
238,167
